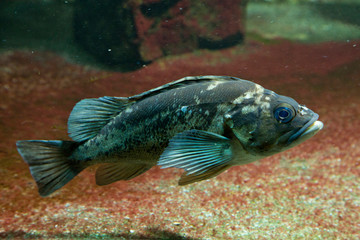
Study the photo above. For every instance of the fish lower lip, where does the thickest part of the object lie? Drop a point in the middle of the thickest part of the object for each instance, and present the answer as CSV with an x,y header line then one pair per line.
x,y
316,126
309,127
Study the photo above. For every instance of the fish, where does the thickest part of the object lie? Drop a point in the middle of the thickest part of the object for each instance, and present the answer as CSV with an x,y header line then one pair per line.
x,y
201,124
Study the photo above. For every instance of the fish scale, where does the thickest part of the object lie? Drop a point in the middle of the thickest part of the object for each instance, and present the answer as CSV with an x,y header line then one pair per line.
x,y
143,119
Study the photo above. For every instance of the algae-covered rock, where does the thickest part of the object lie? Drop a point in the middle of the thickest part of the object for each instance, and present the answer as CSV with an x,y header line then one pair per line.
x,y
130,32
189,25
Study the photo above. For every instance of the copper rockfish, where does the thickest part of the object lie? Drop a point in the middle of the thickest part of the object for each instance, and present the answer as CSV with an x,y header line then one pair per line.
x,y
203,125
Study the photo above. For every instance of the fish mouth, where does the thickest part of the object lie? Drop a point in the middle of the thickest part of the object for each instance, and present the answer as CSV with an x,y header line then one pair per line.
x,y
307,131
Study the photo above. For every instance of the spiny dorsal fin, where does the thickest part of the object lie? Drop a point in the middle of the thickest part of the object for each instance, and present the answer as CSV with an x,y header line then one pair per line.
x,y
182,82
90,115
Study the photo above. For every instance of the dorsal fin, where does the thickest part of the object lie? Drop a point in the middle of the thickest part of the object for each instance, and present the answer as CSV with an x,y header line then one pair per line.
x,y
180,83
90,115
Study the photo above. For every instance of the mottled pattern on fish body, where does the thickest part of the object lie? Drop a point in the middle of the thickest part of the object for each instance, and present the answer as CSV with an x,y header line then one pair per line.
x,y
142,131
203,125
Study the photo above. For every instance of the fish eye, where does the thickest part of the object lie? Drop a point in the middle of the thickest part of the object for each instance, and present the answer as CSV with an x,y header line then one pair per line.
x,y
284,114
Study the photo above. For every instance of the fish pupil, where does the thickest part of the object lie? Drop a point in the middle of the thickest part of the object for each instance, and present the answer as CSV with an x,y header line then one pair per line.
x,y
283,114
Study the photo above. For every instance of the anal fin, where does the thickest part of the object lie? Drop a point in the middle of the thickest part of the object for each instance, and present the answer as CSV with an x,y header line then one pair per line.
x,y
112,172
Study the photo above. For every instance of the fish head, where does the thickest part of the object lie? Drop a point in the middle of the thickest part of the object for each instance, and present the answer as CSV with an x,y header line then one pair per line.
x,y
270,123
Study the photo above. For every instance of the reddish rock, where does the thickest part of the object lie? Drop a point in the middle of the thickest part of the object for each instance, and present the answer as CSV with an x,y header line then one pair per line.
x,y
188,25
130,33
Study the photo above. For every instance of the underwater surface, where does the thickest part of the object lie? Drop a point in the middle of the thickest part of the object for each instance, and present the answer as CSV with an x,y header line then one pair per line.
x,y
311,191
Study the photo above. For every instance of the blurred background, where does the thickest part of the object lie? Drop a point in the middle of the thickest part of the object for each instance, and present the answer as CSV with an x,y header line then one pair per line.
x,y
126,34
54,53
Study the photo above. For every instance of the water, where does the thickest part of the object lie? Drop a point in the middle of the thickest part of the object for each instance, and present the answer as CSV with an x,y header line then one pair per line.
x,y
309,50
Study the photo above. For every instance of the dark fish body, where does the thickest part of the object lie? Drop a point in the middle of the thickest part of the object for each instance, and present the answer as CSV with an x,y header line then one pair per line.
x,y
201,124
146,126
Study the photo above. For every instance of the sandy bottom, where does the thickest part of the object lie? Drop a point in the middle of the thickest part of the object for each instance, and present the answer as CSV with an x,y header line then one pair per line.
x,y
309,192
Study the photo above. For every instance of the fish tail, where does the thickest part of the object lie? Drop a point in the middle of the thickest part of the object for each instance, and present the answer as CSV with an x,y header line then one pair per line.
x,y
50,163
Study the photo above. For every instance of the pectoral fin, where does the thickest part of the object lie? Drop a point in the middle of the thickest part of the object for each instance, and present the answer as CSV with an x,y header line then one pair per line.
x,y
112,172
201,154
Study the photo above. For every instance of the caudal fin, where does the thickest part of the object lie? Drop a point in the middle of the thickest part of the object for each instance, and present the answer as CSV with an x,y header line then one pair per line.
x,y
49,163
